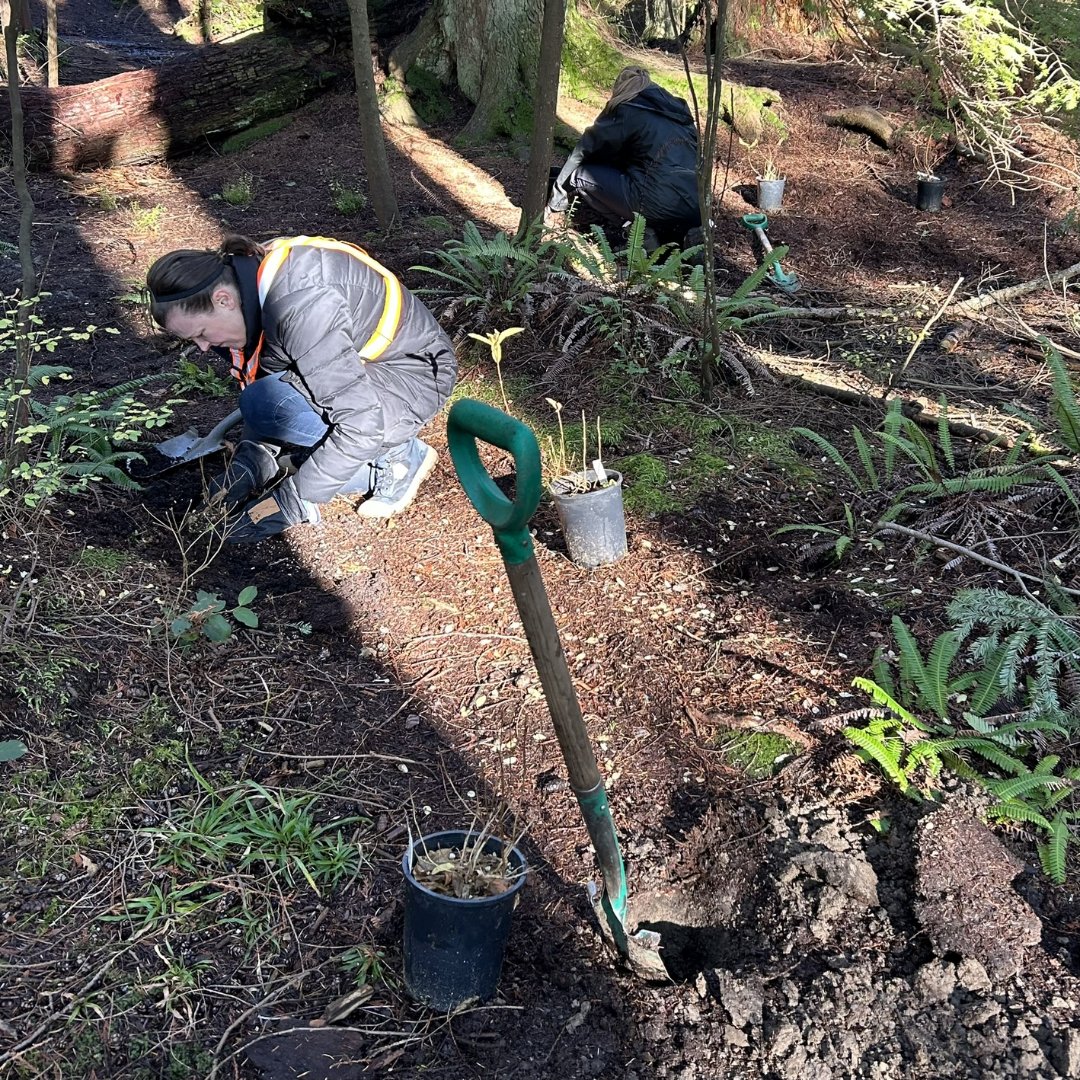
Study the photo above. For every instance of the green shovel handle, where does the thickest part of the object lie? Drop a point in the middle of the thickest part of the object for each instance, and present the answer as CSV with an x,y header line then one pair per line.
x,y
470,421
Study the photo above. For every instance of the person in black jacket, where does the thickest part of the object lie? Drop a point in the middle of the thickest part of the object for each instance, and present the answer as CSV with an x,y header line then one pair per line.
x,y
334,357
639,155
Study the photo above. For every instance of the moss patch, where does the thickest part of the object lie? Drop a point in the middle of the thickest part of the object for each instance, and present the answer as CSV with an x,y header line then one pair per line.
x,y
243,139
427,95
758,754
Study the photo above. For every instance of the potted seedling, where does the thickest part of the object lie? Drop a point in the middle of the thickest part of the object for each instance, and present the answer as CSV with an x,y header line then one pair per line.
x,y
770,181
461,887
929,187
588,500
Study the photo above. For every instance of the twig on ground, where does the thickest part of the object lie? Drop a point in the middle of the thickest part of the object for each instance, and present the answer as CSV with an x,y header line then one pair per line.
x,y
921,336
937,541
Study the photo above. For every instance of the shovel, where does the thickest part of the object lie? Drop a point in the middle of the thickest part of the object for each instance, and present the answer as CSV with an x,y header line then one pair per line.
x,y
189,446
468,422
785,280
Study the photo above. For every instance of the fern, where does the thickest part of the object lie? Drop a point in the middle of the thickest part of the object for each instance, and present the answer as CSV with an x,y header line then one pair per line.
x,y
1052,853
886,700
1065,408
866,457
945,435
831,453
1018,812
1028,644
1018,786
880,744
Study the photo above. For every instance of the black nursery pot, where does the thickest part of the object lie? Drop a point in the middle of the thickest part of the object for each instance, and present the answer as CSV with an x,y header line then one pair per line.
x,y
928,192
454,947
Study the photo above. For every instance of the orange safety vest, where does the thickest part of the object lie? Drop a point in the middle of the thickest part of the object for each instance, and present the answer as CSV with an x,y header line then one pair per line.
x,y
245,368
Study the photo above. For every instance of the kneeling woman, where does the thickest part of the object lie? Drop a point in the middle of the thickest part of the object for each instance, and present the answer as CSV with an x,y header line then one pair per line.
x,y
332,353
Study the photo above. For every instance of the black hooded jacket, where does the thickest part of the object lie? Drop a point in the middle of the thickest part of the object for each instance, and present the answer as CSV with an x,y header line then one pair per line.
x,y
652,139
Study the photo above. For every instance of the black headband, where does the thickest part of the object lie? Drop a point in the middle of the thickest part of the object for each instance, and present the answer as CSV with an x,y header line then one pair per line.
x,y
187,293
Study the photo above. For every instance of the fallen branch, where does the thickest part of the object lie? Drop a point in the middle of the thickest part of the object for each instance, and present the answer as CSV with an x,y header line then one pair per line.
x,y
924,412
1000,296
937,541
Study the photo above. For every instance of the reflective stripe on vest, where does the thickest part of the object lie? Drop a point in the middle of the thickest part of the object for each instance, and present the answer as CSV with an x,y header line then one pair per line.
x,y
387,327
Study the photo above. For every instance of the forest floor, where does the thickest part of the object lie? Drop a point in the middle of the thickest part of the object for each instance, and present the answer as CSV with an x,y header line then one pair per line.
x,y
816,923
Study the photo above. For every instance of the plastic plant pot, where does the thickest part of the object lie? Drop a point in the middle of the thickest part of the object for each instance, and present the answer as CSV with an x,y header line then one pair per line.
x,y
928,192
454,946
592,518
770,194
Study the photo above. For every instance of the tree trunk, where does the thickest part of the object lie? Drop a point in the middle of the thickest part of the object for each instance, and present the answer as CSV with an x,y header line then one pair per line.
x,y
664,20
380,182
52,51
146,115
490,50
547,101
15,412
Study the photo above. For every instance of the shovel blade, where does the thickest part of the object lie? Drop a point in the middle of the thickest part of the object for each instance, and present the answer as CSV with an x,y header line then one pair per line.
x,y
178,445
641,949
189,446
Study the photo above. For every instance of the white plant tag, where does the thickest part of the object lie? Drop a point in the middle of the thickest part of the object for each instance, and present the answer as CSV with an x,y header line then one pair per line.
x,y
601,472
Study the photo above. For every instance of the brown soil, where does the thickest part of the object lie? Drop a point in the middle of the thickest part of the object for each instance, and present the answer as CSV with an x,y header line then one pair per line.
x,y
801,942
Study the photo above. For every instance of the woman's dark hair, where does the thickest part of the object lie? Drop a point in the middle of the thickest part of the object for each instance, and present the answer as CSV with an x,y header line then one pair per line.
x,y
186,279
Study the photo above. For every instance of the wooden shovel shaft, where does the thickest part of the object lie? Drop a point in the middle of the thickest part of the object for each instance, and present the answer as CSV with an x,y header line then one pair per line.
x,y
543,637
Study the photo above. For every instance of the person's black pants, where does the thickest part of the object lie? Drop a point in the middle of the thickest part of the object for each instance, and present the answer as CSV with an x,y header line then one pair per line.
x,y
605,193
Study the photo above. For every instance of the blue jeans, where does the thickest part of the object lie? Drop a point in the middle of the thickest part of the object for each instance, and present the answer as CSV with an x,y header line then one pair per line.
x,y
276,412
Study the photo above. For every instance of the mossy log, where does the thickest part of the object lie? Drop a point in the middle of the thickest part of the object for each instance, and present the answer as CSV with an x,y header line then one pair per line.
x,y
743,107
866,119
146,115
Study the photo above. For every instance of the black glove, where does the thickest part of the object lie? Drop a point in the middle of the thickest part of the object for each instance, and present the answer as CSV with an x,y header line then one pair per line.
x,y
270,514
252,467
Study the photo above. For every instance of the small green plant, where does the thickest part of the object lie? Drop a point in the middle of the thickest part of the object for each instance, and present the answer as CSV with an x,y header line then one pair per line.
x,y
346,200
146,219
482,281
255,829
207,617
365,965
1032,648
240,191
494,341
68,441
201,379
839,539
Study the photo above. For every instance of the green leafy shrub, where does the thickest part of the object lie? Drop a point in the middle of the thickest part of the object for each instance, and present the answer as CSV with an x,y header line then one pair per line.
x,y
70,441
207,617
482,281
195,378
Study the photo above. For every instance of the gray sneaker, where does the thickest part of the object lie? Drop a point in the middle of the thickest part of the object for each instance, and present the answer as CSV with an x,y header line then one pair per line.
x,y
399,474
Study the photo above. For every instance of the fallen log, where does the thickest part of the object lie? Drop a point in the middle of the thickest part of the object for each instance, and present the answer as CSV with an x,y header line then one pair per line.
x,y
140,116
863,118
